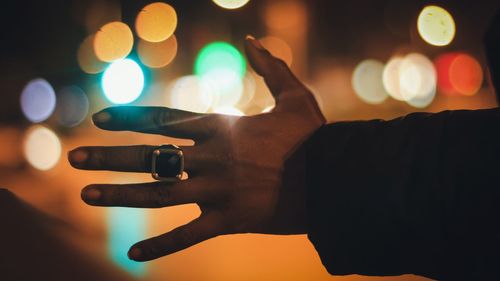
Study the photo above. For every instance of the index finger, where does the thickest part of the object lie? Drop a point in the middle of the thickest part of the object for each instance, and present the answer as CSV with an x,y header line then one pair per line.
x,y
157,120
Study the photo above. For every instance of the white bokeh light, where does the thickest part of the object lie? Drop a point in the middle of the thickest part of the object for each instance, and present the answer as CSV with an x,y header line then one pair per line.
x,y
436,26
231,4
227,110
412,79
123,81
190,93
42,148
367,81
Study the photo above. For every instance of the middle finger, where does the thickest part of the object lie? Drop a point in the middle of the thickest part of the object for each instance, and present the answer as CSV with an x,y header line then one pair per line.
x,y
136,158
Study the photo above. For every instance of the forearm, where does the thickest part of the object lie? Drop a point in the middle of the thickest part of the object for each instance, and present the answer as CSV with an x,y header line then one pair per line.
x,y
403,196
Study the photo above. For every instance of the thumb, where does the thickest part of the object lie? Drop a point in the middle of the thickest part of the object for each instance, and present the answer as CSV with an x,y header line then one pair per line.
x,y
278,77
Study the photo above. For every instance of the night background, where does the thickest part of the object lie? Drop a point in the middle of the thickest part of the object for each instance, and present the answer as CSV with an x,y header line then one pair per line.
x,y
62,61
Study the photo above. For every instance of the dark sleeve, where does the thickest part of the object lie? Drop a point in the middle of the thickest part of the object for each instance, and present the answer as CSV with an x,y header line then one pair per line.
x,y
419,194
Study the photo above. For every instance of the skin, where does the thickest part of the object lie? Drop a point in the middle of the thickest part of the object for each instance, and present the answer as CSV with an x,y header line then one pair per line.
x,y
245,173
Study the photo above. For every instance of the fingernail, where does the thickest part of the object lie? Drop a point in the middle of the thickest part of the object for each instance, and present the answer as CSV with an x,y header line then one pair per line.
x,y
256,43
101,117
134,253
91,194
78,156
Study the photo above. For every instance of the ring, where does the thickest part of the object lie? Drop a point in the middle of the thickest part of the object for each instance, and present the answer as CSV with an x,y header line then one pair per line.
x,y
167,163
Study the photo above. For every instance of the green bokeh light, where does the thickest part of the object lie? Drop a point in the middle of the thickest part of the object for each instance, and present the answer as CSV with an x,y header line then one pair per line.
x,y
219,55
222,66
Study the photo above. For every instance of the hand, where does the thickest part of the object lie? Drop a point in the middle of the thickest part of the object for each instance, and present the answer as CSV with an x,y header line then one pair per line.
x,y
245,173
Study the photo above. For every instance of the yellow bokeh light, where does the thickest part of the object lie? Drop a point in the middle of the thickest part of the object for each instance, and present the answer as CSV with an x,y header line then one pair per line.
x,y
436,26
156,22
87,59
278,48
231,4
157,55
113,41
42,148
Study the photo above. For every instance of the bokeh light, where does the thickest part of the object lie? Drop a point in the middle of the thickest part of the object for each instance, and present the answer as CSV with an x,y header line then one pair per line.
x,y
222,66
443,65
417,77
42,148
126,226
156,22
231,4
458,74
278,48
466,75
411,78
113,41
38,100
157,55
367,81
249,87
390,78
191,94
87,59
268,109
123,81
227,110
436,26
72,106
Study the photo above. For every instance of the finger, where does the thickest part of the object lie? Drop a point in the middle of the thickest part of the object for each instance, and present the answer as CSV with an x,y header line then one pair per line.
x,y
278,76
156,120
202,228
148,195
136,158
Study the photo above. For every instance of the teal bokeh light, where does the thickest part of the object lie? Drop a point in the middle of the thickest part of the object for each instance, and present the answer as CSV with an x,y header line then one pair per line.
x,y
123,81
126,226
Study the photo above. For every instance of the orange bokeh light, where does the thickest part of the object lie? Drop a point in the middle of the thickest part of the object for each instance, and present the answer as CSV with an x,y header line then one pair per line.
x,y
113,41
156,22
157,55
458,74
87,59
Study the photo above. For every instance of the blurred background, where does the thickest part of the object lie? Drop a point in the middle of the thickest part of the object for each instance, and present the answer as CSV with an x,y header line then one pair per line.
x,y
62,60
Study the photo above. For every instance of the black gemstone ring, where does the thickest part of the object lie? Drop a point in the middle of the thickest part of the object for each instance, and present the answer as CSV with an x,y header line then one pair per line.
x,y
167,163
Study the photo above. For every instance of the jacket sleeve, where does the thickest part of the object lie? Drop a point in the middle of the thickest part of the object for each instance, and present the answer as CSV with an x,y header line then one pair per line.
x,y
419,194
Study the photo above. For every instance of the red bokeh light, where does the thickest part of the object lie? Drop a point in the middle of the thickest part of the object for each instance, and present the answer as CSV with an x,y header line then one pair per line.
x,y
458,74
